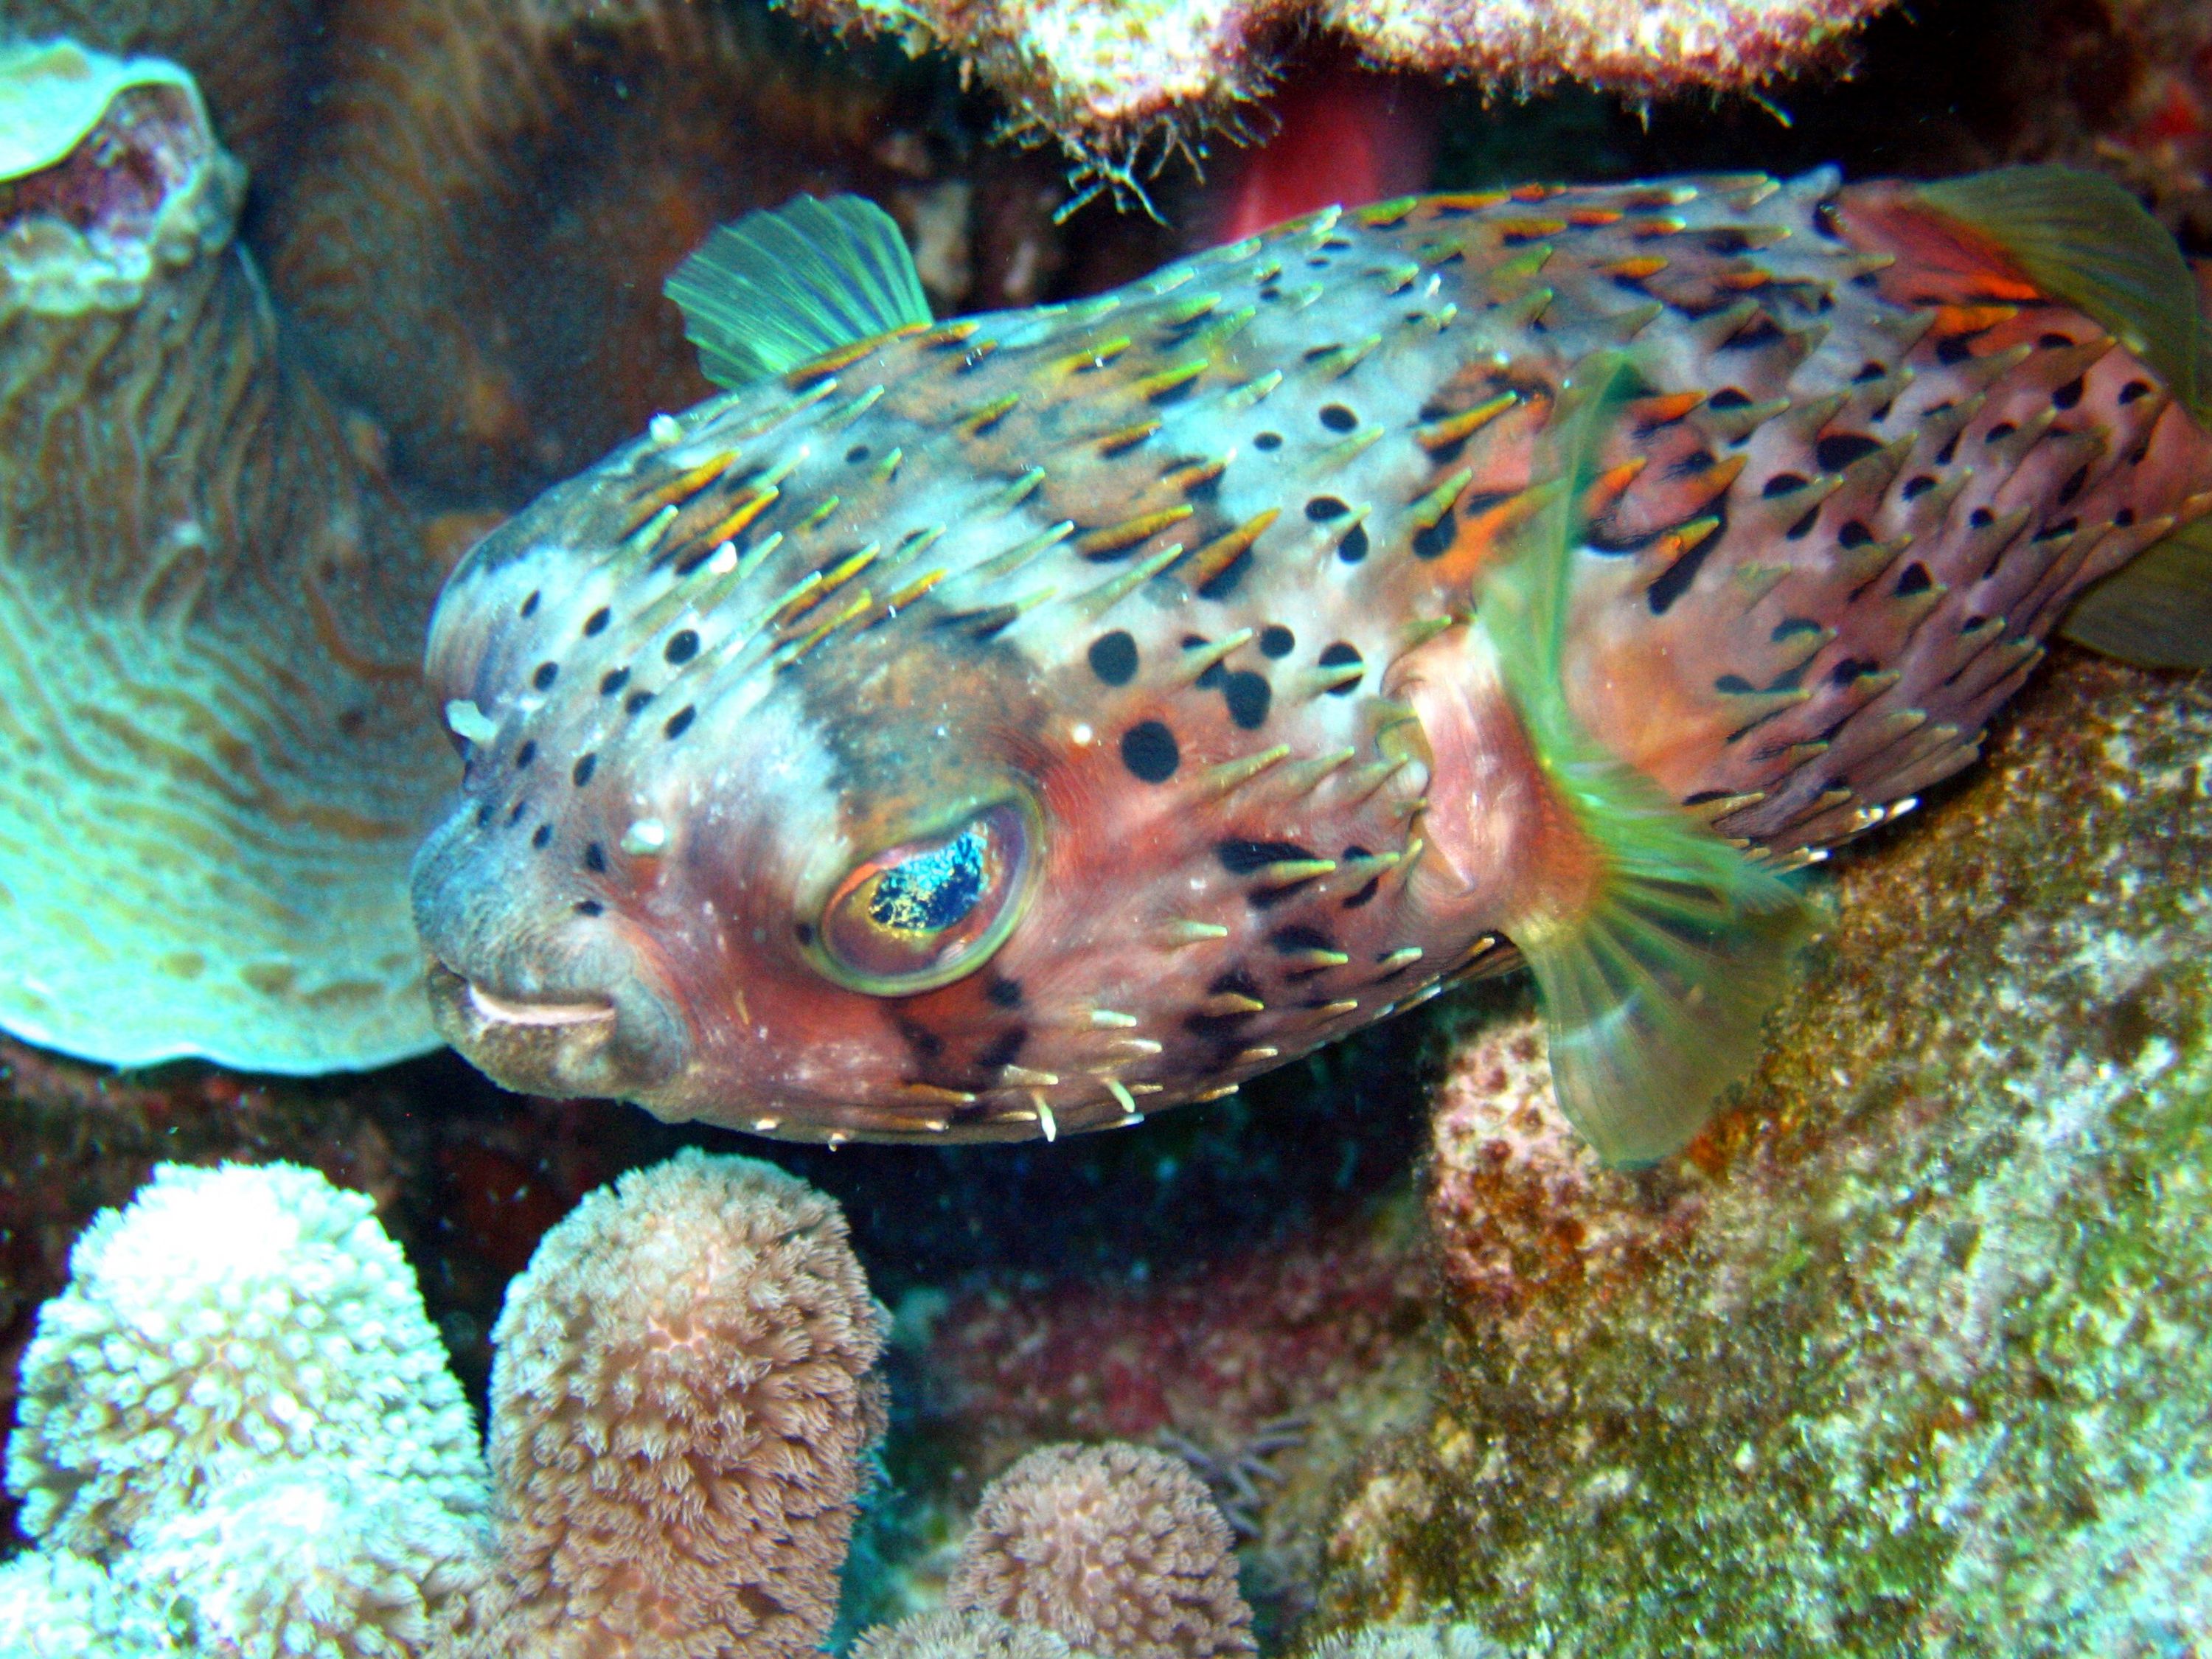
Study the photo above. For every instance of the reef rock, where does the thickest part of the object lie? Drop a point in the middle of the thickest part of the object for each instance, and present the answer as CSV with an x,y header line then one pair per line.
x,y
1908,1354
1104,78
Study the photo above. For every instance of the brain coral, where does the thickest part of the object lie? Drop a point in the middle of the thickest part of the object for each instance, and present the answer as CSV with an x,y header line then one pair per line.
x,y
1117,1548
680,1404
227,1318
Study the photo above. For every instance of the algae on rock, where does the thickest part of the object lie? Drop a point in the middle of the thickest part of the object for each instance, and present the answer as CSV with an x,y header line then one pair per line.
x,y
1908,1354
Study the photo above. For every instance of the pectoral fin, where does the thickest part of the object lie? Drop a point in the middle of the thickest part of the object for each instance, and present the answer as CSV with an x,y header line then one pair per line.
x,y
1655,974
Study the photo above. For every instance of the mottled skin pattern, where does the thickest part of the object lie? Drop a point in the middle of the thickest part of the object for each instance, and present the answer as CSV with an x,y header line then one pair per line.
x,y
1279,792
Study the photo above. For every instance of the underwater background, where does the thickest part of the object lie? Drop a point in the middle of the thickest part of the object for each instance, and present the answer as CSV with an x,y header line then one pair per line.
x,y
1907,1354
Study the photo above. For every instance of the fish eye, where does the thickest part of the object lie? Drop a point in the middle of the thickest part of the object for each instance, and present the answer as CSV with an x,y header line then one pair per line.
x,y
924,913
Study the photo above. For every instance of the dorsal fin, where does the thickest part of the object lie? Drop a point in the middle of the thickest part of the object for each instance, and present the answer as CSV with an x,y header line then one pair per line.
x,y
1654,980
2083,237
784,286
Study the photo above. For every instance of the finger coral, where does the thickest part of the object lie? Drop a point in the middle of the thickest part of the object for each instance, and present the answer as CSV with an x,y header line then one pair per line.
x,y
1104,78
238,1436
682,1398
216,752
1118,1549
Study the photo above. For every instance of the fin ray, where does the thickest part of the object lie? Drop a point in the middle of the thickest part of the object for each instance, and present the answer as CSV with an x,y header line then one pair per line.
x,y
1653,986
2086,240
2156,611
786,285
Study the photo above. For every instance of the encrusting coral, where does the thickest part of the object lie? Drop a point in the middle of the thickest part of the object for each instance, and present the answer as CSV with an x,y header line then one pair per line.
x,y
1118,1549
237,1438
216,750
1103,79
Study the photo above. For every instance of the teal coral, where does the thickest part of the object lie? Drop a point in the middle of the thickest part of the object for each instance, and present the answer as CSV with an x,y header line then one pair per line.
x,y
216,752
1909,1353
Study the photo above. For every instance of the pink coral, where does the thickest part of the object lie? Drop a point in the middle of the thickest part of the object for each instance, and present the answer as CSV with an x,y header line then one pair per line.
x,y
680,1405
1116,1548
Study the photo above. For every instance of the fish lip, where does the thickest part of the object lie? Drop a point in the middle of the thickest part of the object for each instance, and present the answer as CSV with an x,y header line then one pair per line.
x,y
608,1047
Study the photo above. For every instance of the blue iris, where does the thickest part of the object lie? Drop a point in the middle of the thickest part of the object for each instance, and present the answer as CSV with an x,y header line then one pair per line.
x,y
932,890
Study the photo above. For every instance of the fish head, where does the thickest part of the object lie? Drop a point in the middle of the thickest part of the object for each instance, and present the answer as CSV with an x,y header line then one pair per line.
x,y
897,882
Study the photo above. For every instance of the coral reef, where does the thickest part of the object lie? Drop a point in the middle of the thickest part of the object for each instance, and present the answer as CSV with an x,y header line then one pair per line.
x,y
681,1402
1118,1549
498,188
1103,79
217,751
1907,1353
969,1635
237,1438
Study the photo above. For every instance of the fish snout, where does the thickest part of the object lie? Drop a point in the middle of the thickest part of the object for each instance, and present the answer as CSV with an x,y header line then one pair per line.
x,y
542,1003
616,1045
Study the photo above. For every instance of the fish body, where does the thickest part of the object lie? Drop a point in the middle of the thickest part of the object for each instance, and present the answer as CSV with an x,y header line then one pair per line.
x,y
1017,725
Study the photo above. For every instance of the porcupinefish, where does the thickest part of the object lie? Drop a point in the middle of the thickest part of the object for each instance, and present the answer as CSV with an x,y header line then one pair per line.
x,y
1017,725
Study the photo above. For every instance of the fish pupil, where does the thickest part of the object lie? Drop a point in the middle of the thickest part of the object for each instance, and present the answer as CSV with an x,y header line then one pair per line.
x,y
932,890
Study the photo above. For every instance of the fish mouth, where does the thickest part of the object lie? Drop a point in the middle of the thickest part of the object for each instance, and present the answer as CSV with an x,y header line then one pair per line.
x,y
614,1046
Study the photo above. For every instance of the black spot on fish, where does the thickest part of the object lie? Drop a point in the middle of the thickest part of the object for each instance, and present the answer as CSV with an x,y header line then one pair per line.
x,y
1211,675
1981,518
1854,534
925,1042
682,646
1150,751
1247,696
1852,668
1729,397
856,454
635,701
1277,640
1732,685
1914,579
1236,982
1336,656
515,817
527,754
1224,581
1242,858
1337,418
1803,527
1999,433
2054,341
1781,484
2124,517
1268,440
1949,452
1790,627
484,816
1727,241
2070,394
582,772
1433,541
1674,580
1004,1049
1003,992
590,908
1697,461
1760,331
546,674
542,836
1839,449
1353,548
804,931
597,621
2072,486
613,681
1918,485
2059,528
529,604
1953,349
1113,657
1868,370
1322,509
680,722
1479,501
2133,390
595,858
